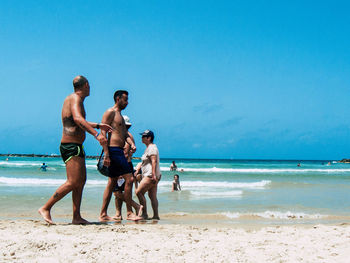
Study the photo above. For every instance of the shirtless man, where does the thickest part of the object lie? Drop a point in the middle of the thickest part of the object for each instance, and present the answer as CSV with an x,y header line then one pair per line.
x,y
115,158
72,152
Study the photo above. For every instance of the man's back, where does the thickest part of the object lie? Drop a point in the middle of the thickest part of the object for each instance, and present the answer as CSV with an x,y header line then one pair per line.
x,y
71,131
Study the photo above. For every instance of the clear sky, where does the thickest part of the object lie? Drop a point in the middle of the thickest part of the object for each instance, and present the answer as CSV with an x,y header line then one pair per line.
x,y
212,79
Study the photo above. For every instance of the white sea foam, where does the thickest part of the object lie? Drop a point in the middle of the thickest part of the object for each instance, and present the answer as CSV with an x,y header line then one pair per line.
x,y
198,188
19,164
275,215
215,184
259,170
41,182
221,194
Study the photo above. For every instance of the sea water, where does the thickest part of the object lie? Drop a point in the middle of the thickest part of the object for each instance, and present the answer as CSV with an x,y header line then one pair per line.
x,y
228,191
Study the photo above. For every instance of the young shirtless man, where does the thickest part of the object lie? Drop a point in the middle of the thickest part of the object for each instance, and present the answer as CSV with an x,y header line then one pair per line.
x,y
71,148
115,158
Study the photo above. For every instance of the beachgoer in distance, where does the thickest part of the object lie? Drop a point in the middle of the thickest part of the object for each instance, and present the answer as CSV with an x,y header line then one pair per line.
x,y
176,183
173,166
114,156
150,174
119,190
43,167
72,152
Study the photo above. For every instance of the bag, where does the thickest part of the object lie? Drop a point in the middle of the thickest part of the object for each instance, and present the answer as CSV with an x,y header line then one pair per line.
x,y
100,167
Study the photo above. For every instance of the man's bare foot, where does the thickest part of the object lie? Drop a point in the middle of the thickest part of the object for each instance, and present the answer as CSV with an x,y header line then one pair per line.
x,y
118,218
80,221
155,218
133,217
105,218
45,215
139,213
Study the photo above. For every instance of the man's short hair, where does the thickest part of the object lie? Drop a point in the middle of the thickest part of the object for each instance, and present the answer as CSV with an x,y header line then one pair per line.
x,y
119,93
79,82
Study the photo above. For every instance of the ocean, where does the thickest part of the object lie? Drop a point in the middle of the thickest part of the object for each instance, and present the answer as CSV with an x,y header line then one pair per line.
x,y
218,191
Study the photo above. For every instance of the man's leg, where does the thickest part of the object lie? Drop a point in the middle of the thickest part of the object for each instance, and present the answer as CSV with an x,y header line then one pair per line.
x,y
77,192
75,179
119,198
107,194
128,197
152,193
138,208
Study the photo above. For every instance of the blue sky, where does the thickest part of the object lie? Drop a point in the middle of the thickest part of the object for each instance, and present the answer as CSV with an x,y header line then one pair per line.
x,y
212,79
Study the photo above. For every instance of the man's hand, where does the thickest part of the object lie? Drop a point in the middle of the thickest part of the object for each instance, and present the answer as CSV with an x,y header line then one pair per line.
x,y
102,139
133,148
106,161
105,127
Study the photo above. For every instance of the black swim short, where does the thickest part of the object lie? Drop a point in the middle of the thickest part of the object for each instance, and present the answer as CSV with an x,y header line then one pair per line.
x,y
119,188
68,150
119,164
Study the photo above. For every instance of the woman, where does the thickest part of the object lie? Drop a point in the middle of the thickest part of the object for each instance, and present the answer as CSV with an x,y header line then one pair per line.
x,y
173,166
150,174
176,183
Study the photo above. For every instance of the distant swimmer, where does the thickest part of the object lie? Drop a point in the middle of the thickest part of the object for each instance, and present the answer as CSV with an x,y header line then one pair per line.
x,y
173,166
7,159
299,165
176,183
72,151
329,163
43,167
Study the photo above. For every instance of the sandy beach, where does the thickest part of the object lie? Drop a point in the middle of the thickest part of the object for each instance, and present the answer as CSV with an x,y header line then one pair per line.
x,y
34,241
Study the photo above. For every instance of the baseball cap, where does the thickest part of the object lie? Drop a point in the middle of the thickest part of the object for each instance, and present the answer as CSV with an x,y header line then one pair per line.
x,y
148,133
127,120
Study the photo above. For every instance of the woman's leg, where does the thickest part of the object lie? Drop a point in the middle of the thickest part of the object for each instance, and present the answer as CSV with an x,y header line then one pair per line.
x,y
145,184
152,193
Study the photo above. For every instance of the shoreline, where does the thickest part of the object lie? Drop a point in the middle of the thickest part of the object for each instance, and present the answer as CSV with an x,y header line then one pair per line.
x,y
35,241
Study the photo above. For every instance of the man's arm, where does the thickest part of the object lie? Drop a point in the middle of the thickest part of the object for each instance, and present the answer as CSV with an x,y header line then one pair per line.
x,y
130,141
102,126
76,109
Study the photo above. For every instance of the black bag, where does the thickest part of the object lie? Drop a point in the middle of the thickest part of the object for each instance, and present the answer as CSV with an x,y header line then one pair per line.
x,y
100,167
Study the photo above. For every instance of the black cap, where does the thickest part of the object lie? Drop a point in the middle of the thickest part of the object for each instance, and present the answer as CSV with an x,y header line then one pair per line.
x,y
148,133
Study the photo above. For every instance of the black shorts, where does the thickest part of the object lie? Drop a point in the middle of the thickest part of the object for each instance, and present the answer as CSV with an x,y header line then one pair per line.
x,y
119,164
119,188
69,150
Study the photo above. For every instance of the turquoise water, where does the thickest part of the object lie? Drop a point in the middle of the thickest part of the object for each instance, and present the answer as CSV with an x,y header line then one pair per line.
x,y
228,190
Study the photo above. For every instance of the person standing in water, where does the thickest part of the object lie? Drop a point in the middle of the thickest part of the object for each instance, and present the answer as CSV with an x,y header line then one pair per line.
x,y
72,151
176,183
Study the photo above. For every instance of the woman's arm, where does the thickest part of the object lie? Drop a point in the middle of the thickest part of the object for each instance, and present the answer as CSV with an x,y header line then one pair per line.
x,y
154,167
